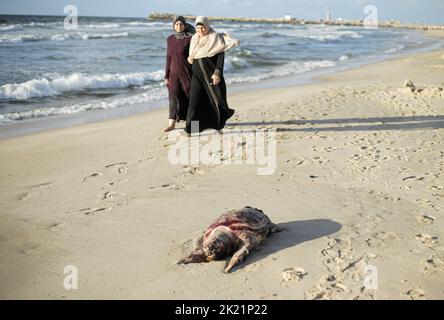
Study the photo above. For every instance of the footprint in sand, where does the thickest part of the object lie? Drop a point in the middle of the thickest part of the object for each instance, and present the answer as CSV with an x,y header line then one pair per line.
x,y
34,192
295,162
168,187
436,188
92,211
148,159
163,186
120,181
54,227
321,160
122,170
41,185
187,171
110,195
433,265
96,174
28,247
382,239
293,274
388,197
342,266
116,164
427,240
122,167
371,217
318,293
416,294
426,219
285,176
328,149
330,288
428,203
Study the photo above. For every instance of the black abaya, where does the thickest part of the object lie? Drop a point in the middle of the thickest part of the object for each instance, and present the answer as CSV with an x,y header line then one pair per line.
x,y
208,102
178,73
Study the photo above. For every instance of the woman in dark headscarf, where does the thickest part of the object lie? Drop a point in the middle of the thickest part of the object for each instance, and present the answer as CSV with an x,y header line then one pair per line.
x,y
178,71
208,95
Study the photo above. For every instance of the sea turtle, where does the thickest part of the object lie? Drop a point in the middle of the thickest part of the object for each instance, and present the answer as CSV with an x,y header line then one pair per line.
x,y
236,231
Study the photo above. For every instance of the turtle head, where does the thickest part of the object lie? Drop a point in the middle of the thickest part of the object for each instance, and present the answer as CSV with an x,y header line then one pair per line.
x,y
218,244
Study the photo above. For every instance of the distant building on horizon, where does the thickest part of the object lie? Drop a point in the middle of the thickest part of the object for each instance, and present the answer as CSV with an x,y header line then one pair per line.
x,y
328,15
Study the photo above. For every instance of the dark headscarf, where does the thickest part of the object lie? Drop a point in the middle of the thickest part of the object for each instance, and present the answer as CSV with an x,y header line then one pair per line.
x,y
189,29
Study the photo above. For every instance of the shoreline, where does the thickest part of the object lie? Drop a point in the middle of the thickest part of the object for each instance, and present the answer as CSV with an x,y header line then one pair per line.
x,y
35,125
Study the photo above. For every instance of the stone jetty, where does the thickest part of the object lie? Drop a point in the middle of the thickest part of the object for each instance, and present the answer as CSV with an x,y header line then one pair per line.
x,y
290,20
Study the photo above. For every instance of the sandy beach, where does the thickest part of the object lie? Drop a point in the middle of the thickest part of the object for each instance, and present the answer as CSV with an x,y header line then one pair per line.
x,y
358,188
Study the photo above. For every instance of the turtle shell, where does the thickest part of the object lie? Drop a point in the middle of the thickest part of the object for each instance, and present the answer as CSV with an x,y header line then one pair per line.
x,y
247,220
235,232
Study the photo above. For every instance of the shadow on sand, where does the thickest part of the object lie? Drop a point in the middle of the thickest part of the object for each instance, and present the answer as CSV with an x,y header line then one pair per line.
x,y
292,234
355,124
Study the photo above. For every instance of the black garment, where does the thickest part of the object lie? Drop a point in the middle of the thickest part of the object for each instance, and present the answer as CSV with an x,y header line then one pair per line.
x,y
178,72
208,102
178,90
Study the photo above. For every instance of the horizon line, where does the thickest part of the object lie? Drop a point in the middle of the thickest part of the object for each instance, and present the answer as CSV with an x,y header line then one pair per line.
x,y
234,17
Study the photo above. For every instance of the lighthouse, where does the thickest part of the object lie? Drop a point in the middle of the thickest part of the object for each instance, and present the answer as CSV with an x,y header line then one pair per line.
x,y
328,16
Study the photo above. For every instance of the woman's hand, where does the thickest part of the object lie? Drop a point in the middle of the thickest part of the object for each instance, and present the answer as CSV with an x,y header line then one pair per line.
x,y
190,60
216,79
166,82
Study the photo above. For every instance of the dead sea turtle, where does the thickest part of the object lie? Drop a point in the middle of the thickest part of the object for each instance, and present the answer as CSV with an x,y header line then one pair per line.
x,y
236,231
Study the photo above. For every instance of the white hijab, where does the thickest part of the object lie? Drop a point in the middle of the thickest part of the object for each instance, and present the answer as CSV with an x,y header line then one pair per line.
x,y
211,44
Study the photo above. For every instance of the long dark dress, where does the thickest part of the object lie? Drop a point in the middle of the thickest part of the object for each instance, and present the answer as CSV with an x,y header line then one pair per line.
x,y
178,72
208,102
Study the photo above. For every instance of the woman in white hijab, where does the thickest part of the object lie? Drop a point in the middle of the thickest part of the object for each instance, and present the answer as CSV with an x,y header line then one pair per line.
x,y
208,94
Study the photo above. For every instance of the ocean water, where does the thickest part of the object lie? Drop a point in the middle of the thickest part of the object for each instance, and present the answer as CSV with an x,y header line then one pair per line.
x,y
109,63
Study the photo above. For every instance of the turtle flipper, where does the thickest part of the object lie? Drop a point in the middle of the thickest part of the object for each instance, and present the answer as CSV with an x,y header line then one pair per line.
x,y
194,257
238,257
197,254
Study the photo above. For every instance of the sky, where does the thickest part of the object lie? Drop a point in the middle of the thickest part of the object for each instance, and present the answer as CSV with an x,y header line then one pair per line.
x,y
424,11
